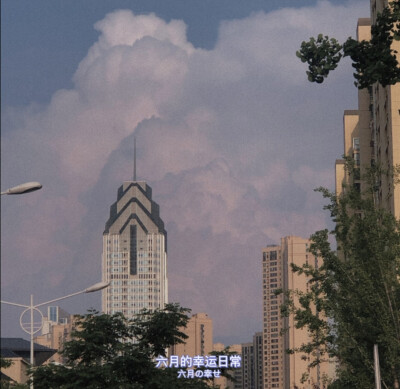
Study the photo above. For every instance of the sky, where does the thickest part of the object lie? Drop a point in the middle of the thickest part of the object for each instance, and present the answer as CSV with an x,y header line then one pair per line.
x,y
231,137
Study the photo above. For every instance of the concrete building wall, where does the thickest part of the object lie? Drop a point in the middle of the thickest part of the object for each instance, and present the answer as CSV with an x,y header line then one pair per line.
x,y
378,129
56,333
282,370
274,357
248,365
199,330
18,371
296,251
236,373
258,360
252,363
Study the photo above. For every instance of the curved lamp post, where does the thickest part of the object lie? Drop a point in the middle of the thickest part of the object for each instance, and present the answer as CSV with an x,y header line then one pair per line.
x,y
32,327
23,188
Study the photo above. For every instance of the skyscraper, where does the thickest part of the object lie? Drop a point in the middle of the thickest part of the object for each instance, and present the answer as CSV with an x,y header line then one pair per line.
x,y
283,370
252,363
134,253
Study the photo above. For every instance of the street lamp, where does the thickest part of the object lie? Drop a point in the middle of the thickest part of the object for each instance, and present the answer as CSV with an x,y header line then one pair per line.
x,y
31,327
23,188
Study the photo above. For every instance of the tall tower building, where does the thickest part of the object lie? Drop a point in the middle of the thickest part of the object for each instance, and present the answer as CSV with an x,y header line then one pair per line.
x,y
283,370
134,257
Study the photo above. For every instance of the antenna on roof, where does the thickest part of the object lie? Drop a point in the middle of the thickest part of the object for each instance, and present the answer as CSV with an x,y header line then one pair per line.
x,y
134,158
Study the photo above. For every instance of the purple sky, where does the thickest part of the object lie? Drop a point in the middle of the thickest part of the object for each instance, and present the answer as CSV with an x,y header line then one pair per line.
x,y
232,138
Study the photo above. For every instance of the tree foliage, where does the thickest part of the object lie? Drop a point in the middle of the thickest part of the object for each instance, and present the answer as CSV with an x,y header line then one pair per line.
x,y
4,363
357,288
374,60
12,385
110,351
225,372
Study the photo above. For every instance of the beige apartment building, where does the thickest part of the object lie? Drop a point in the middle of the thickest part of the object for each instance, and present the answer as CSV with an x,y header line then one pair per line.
x,y
199,331
283,370
358,137
236,373
372,132
17,351
385,126
56,330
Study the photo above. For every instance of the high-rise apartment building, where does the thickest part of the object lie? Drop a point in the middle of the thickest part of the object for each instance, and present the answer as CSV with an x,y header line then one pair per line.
x,y
372,132
385,128
134,253
282,370
199,331
252,366
248,365
223,382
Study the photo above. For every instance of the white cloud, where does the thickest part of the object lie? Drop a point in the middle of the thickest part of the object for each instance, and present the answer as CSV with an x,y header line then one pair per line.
x,y
232,140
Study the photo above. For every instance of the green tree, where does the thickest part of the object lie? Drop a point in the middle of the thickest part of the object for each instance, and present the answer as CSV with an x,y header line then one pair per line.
x,y
4,363
110,351
358,289
11,385
225,372
374,60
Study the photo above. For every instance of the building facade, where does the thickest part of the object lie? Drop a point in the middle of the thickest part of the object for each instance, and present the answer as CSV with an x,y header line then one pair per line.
x,y
372,132
17,351
252,363
199,331
134,257
385,129
282,370
223,382
56,330
248,365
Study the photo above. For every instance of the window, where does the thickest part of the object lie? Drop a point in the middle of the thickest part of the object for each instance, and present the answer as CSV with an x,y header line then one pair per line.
x,y
356,144
356,159
53,313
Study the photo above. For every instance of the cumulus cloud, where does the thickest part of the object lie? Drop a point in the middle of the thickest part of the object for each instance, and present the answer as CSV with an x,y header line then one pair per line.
x,y
233,140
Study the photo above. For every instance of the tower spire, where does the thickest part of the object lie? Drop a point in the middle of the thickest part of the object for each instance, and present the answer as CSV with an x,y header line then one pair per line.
x,y
134,158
